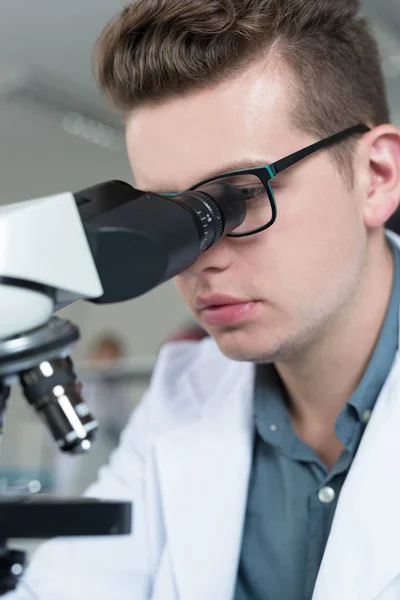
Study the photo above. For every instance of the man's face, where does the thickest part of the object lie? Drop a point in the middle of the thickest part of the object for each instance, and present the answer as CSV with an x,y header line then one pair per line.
x,y
293,279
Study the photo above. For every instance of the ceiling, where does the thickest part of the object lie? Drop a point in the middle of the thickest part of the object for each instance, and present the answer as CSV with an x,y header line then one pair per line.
x,y
50,42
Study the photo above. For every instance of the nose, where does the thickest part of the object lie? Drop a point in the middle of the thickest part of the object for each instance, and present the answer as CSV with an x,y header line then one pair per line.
x,y
218,258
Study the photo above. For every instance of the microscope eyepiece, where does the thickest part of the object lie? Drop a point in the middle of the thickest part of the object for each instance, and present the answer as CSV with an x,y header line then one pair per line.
x,y
141,239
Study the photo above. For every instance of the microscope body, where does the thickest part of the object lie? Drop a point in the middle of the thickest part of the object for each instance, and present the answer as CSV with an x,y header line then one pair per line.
x,y
108,243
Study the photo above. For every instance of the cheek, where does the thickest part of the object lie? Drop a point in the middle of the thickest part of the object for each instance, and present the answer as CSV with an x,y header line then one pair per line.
x,y
317,241
334,228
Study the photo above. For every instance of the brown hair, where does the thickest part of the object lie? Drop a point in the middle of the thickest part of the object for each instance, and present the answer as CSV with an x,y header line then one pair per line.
x,y
155,49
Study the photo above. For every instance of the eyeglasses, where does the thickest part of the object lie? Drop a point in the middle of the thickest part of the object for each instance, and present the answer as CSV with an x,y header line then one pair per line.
x,y
255,184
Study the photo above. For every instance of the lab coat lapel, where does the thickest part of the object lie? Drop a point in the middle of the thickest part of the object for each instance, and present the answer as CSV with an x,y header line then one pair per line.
x,y
363,551
203,471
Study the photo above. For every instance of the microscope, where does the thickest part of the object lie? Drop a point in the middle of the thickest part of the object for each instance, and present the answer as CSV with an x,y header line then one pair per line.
x,y
105,244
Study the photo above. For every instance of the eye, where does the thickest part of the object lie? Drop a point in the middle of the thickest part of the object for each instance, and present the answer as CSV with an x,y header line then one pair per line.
x,y
252,193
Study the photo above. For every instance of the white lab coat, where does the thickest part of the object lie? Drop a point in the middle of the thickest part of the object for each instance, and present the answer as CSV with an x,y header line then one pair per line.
x,y
184,460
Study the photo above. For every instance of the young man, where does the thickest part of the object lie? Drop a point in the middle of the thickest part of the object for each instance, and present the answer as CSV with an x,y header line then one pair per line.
x,y
263,461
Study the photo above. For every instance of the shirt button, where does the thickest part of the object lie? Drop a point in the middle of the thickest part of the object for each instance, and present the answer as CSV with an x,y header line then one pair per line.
x,y
367,415
326,495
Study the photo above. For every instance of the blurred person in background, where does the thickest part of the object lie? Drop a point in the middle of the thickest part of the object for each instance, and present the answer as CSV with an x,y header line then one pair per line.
x,y
107,397
106,350
263,461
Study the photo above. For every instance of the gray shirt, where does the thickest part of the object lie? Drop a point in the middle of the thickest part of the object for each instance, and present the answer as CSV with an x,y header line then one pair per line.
x,y
292,497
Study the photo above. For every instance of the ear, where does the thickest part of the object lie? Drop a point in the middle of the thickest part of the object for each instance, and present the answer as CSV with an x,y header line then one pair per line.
x,y
381,156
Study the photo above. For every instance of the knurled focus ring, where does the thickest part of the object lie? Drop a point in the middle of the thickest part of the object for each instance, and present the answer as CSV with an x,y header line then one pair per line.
x,y
214,208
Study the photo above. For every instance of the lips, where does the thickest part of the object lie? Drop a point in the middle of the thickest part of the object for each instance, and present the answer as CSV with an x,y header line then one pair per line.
x,y
220,310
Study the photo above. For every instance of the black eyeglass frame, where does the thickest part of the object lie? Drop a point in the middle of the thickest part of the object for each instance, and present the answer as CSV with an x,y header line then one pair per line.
x,y
268,172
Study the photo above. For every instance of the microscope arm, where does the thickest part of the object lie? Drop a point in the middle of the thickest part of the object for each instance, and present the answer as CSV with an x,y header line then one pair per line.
x,y
45,261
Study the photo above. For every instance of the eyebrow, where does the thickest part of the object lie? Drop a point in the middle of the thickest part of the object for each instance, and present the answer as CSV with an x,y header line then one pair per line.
x,y
239,166
227,168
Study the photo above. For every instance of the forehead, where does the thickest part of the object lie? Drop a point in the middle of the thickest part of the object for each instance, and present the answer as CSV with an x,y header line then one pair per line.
x,y
176,143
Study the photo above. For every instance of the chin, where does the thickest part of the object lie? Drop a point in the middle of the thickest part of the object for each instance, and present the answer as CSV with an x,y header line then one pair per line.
x,y
259,343
245,346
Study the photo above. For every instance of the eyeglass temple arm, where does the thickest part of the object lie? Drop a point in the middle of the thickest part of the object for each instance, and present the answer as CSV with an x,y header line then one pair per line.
x,y
291,160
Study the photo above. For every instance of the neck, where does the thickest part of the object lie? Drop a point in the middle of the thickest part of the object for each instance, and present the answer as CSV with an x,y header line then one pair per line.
x,y
322,379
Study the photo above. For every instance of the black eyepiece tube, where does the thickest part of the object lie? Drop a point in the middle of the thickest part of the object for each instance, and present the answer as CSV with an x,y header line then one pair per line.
x,y
140,240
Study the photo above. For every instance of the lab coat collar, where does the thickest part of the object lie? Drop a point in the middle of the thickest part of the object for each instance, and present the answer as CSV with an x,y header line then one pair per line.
x,y
362,555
